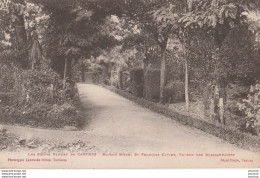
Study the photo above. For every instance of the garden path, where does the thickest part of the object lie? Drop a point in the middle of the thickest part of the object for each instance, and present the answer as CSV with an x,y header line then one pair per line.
x,y
115,124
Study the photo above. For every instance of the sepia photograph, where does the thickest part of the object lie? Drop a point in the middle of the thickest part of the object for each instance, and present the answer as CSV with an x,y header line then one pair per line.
x,y
129,84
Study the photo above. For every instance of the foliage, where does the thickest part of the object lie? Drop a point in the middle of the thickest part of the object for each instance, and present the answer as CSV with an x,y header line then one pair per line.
x,y
251,109
38,85
236,56
152,84
174,91
114,79
136,85
39,100
216,38
6,78
216,12
75,31
42,114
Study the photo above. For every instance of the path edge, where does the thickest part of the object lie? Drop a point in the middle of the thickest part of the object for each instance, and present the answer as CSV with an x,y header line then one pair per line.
x,y
236,137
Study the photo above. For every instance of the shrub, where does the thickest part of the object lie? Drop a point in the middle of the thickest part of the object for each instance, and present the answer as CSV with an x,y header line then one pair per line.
x,y
136,82
251,109
38,86
42,114
6,99
40,100
95,78
114,79
174,91
6,78
107,82
152,84
125,80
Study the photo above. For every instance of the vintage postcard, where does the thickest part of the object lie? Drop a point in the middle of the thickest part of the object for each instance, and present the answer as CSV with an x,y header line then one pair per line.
x,y
129,84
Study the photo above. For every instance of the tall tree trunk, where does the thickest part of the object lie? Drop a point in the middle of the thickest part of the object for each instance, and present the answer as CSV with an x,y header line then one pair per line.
x,y
163,73
215,103
65,71
218,102
222,102
186,83
145,63
206,94
83,74
70,64
21,36
120,79
145,81
187,102
35,53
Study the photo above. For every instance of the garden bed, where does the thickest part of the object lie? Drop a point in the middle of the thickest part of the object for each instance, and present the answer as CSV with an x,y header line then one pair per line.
x,y
39,99
43,114
233,136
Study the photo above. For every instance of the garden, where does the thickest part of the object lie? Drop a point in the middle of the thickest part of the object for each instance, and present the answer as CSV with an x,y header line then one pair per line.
x,y
196,58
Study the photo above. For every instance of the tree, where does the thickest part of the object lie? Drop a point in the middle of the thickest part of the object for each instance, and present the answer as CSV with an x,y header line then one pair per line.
x,y
75,27
168,20
22,19
217,18
151,17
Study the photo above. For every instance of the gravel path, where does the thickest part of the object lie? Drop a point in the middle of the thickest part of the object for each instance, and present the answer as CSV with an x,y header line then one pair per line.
x,y
115,124
134,128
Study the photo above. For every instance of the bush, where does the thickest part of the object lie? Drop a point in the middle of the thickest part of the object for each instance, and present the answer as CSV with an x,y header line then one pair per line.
x,y
40,100
136,82
125,80
42,114
107,82
251,109
174,91
152,84
114,79
95,78
39,86
7,99
6,78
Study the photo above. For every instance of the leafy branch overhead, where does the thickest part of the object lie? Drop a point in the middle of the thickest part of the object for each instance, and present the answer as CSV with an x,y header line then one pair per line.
x,y
217,12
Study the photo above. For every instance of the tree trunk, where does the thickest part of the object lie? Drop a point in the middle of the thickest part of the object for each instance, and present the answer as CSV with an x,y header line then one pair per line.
x,y
83,74
222,102
218,103
35,52
215,103
65,71
187,102
21,36
186,83
145,63
120,79
163,72
70,64
206,94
